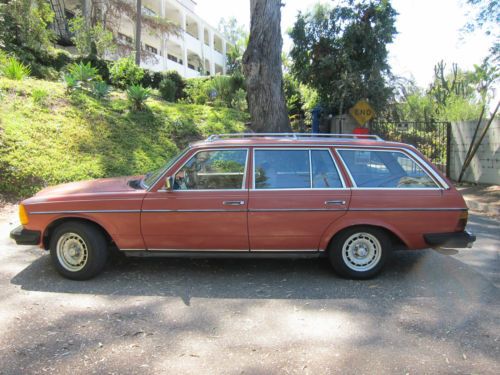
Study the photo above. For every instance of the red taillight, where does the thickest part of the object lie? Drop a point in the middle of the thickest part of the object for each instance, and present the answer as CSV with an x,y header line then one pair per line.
x,y
462,221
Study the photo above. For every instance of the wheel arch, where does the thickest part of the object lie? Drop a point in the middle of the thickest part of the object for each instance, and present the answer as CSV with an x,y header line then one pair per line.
x,y
398,240
49,230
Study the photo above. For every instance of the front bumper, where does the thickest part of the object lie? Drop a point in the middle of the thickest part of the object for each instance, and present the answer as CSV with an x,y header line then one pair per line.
x,y
24,236
453,240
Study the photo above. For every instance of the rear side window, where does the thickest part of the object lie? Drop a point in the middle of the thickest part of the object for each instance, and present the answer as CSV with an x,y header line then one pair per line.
x,y
295,169
385,169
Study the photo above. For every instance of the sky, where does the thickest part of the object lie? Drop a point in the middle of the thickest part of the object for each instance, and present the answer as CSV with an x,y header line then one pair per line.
x,y
428,31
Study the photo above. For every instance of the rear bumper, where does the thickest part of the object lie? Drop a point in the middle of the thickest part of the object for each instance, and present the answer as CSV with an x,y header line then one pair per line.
x,y
454,239
25,236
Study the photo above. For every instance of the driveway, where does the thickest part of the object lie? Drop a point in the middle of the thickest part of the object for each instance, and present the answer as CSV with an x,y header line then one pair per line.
x,y
427,313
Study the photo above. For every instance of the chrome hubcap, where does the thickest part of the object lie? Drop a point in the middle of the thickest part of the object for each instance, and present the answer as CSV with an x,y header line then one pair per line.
x,y
72,252
361,251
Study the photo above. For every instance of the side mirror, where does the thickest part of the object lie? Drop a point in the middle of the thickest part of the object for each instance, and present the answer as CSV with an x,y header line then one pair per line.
x,y
169,183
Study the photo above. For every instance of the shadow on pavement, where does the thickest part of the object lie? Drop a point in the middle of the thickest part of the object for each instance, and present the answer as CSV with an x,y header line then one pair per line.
x,y
407,274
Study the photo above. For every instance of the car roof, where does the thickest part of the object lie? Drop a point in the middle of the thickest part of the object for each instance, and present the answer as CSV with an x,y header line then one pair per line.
x,y
294,139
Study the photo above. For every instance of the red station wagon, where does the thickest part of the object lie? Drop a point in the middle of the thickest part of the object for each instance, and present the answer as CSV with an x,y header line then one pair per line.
x,y
350,198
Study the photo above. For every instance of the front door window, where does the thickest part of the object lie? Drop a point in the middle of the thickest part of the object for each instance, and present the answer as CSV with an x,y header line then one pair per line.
x,y
213,170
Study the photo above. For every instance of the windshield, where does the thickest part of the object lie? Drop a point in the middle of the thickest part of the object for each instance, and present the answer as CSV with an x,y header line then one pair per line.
x,y
151,177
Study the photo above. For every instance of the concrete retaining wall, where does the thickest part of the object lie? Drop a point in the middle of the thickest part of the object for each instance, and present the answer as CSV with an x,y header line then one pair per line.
x,y
485,166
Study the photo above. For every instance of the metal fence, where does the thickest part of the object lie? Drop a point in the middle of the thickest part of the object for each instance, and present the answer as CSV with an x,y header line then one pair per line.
x,y
431,138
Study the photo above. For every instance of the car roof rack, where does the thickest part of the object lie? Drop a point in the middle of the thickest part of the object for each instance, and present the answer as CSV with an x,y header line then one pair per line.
x,y
216,137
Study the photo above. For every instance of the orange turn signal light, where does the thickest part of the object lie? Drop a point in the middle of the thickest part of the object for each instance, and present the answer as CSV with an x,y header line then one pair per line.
x,y
23,215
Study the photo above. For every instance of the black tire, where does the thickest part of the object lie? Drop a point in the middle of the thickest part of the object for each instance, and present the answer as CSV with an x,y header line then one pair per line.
x,y
343,253
90,242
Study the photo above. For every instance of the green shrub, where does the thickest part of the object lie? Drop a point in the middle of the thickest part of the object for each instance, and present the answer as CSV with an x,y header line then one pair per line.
x,y
44,72
124,73
137,96
239,100
100,89
151,79
180,83
197,90
168,89
15,69
40,96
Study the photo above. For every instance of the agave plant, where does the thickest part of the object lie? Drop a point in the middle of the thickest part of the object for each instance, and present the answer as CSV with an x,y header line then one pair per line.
x,y
71,83
100,89
83,72
14,69
137,96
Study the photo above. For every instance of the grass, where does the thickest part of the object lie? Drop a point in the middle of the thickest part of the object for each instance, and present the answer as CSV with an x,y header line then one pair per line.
x,y
48,136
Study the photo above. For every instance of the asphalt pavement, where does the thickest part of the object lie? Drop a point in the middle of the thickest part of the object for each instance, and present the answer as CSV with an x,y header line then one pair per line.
x,y
426,313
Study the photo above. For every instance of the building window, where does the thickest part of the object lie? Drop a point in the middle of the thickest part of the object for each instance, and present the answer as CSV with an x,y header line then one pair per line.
x,y
191,66
124,38
151,49
147,11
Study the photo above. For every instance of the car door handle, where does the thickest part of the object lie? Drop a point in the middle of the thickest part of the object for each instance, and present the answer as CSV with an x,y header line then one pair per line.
x,y
233,203
340,203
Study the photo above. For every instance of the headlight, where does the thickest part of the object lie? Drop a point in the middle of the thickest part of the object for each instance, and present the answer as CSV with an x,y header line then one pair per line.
x,y
23,215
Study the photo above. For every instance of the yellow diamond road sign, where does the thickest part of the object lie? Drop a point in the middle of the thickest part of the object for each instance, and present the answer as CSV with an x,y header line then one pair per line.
x,y
362,112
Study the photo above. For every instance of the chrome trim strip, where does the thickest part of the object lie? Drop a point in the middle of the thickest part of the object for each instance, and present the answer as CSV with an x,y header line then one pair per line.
x,y
207,210
433,175
84,212
408,209
204,250
284,250
294,209
250,210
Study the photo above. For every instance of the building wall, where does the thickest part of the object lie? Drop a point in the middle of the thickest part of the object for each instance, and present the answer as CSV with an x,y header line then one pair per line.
x,y
485,166
199,49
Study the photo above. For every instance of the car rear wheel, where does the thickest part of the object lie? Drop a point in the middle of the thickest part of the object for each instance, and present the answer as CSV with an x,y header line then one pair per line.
x,y
78,250
359,252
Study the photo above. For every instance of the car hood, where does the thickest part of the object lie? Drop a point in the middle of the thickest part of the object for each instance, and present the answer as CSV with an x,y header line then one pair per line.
x,y
102,185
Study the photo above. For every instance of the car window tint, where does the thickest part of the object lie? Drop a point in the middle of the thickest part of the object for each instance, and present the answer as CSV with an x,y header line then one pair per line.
x,y
282,169
383,169
212,170
324,172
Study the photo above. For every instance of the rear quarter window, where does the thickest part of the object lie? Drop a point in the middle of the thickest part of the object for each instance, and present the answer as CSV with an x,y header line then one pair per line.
x,y
385,169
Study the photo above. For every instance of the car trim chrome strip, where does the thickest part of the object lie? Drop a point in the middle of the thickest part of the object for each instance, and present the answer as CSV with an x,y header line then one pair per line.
x,y
84,212
231,250
249,210
284,250
207,210
409,209
294,209
203,250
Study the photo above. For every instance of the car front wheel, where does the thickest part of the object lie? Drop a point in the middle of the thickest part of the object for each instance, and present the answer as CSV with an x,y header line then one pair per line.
x,y
359,252
78,250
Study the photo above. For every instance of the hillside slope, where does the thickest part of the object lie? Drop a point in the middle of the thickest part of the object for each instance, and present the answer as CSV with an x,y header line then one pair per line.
x,y
48,136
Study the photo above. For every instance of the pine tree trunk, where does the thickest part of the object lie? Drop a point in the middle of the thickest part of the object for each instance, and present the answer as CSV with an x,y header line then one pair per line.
x,y
138,28
262,69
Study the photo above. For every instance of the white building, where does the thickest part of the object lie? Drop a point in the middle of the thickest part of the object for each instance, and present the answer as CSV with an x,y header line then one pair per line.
x,y
198,50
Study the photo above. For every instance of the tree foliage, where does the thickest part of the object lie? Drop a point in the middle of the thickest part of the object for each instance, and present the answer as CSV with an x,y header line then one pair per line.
x,y
341,52
91,39
24,24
